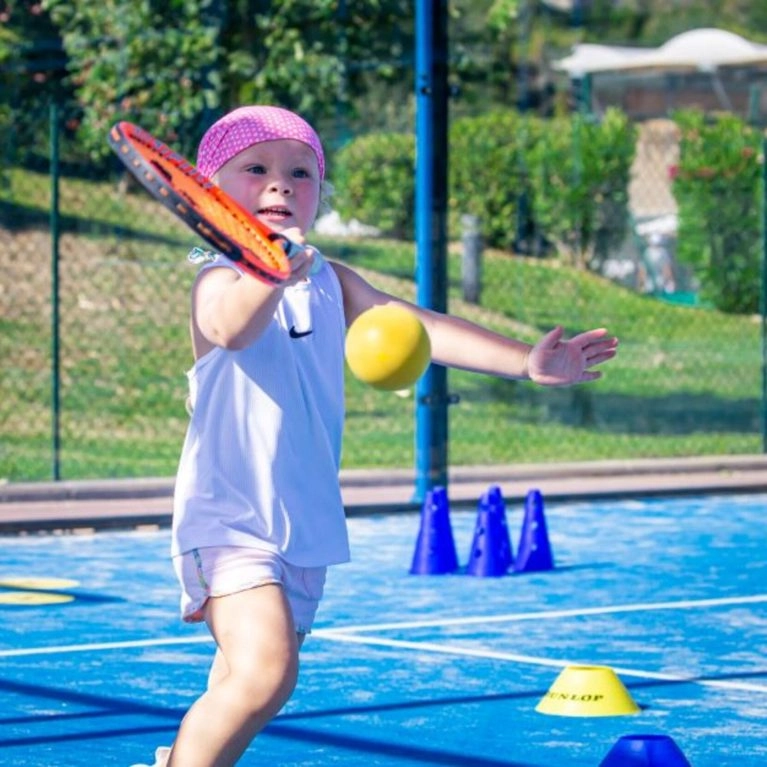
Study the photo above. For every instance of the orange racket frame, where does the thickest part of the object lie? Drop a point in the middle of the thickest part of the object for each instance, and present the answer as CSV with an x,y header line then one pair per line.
x,y
203,206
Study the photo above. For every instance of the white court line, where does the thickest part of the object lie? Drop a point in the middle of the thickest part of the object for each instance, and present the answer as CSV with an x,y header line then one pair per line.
x,y
529,659
334,635
26,651
344,634
685,604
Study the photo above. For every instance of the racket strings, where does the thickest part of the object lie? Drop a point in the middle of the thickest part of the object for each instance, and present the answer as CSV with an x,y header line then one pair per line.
x,y
217,214
204,206
241,229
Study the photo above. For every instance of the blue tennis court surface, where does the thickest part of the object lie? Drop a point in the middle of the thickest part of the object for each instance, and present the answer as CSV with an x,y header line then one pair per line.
x,y
97,668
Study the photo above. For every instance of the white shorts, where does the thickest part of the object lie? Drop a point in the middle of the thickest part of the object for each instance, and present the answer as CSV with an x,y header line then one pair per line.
x,y
215,571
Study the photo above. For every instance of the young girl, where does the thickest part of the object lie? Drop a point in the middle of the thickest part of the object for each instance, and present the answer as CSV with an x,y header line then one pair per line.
x,y
258,515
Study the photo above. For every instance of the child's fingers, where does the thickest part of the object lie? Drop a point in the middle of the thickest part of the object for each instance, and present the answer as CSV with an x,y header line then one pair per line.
x,y
552,338
589,337
599,357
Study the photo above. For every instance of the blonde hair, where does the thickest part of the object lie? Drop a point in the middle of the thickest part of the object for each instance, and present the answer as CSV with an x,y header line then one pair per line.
x,y
327,190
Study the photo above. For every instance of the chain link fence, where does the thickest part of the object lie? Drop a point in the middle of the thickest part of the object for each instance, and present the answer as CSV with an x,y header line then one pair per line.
x,y
94,299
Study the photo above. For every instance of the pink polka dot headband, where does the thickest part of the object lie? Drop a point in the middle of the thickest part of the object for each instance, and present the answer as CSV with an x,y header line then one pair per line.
x,y
250,125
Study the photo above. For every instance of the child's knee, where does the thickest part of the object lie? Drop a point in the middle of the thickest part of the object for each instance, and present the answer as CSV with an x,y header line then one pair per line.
x,y
267,682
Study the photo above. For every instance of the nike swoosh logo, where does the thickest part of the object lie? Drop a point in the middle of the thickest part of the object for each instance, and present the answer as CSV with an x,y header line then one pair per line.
x,y
298,333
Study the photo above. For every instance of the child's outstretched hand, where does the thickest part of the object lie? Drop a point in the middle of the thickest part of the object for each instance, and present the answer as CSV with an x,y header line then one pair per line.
x,y
554,362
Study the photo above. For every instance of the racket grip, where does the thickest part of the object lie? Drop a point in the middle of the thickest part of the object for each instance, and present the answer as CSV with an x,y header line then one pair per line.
x,y
292,248
319,260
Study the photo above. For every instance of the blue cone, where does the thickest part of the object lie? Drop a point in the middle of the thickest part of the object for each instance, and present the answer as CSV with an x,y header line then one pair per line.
x,y
534,550
435,552
645,751
491,553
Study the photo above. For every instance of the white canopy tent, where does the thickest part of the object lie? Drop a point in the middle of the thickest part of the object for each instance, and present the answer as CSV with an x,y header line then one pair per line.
x,y
709,69
702,50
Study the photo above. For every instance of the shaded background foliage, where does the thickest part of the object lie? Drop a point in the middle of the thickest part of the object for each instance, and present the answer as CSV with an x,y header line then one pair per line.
x,y
547,183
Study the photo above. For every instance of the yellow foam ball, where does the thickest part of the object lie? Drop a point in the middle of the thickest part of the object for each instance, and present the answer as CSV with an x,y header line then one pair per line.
x,y
388,347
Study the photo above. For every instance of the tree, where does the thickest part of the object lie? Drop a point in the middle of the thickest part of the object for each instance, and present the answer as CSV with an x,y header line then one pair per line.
x,y
32,64
152,62
347,65
175,65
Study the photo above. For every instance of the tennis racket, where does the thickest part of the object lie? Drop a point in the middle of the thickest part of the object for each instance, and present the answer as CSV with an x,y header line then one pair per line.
x,y
203,206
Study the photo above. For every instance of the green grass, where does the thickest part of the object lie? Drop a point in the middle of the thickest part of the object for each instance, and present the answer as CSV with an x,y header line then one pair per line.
x,y
687,381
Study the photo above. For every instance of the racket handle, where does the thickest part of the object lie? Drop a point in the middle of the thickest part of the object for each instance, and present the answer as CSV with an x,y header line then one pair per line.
x,y
292,248
319,260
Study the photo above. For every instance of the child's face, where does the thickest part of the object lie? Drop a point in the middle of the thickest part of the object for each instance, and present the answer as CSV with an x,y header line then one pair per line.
x,y
277,181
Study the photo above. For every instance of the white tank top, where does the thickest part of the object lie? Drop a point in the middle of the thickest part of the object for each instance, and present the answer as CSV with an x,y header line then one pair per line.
x,y
259,466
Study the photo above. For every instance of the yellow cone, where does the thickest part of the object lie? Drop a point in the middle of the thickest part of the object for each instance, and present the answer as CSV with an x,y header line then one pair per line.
x,y
27,598
35,591
587,691
38,583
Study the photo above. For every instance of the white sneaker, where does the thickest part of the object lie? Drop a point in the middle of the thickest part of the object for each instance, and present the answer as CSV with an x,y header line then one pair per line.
x,y
160,758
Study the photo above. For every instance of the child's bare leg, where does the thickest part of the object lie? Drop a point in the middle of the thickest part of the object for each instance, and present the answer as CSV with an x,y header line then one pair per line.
x,y
219,669
259,647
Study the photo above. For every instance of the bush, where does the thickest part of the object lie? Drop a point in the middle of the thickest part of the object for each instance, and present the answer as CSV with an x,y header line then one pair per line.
x,y
564,179
489,177
580,174
717,189
374,177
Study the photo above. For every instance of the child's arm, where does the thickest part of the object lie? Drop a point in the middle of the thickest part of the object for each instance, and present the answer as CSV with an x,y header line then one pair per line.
x,y
231,310
458,343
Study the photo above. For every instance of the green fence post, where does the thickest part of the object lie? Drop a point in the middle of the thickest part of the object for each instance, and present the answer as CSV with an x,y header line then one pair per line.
x,y
763,293
55,346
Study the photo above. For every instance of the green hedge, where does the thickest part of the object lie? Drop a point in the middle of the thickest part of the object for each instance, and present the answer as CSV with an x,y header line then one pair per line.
x,y
489,175
374,178
717,188
565,182
564,179
580,172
